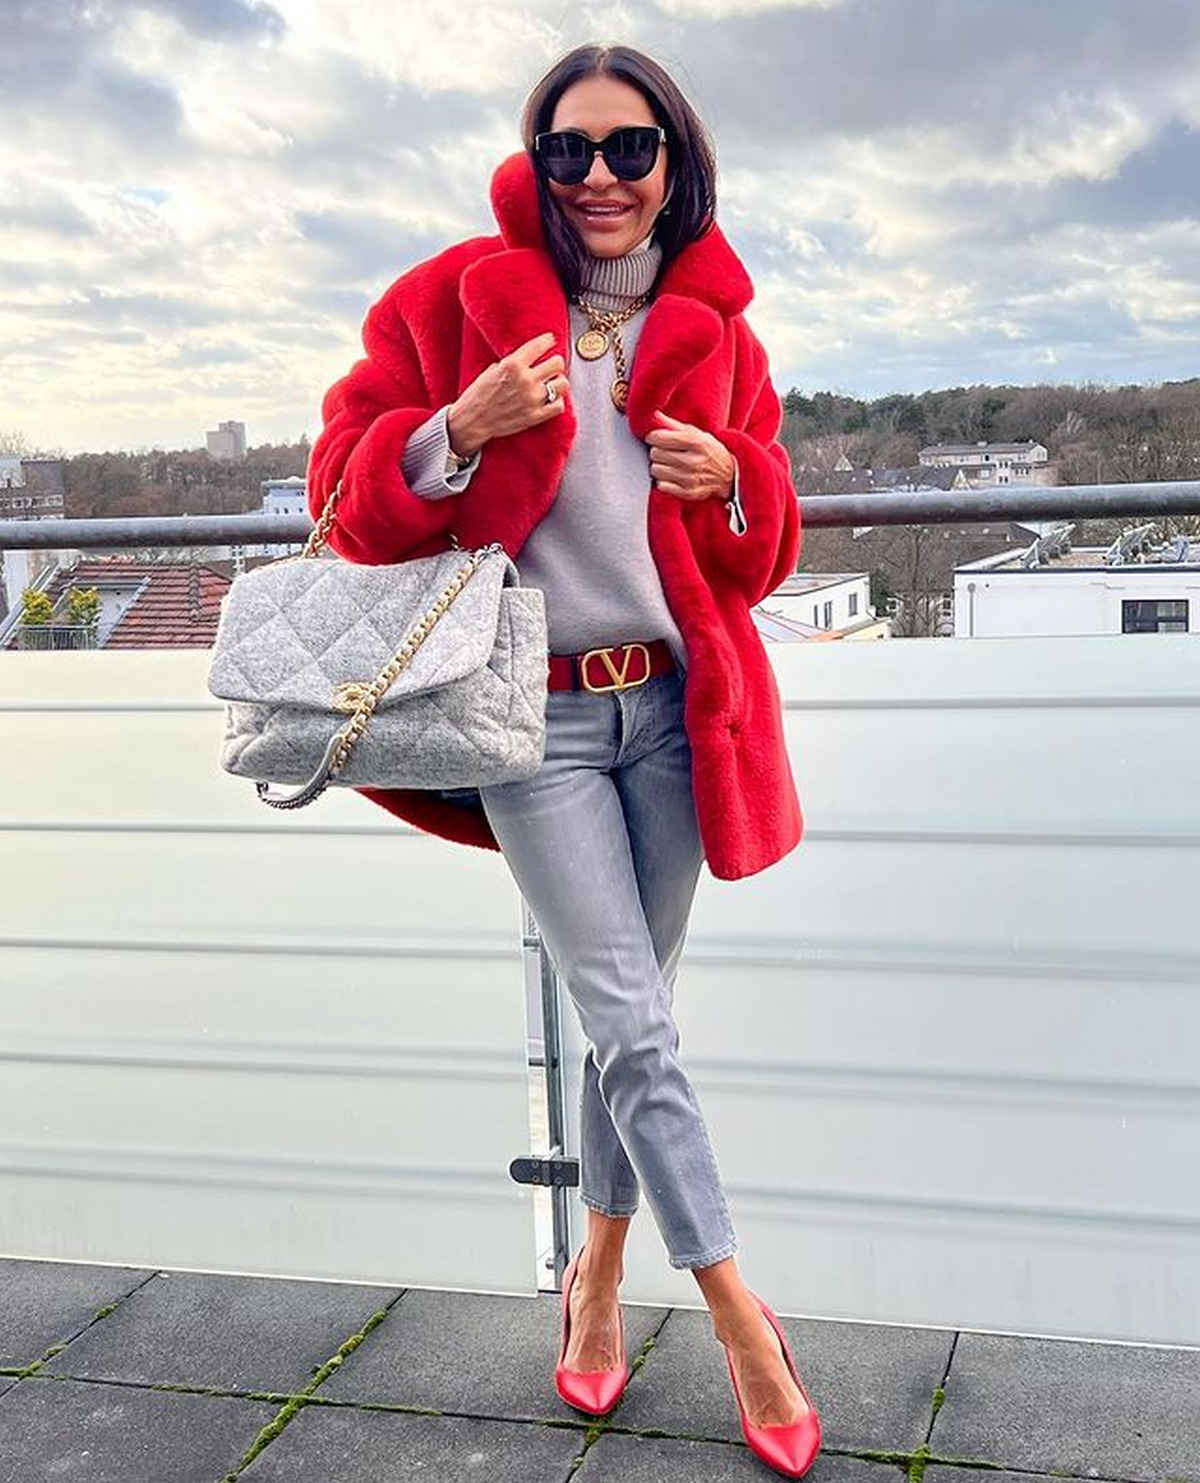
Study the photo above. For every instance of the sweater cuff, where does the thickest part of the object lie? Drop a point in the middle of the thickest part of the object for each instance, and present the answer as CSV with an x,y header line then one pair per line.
x,y
424,460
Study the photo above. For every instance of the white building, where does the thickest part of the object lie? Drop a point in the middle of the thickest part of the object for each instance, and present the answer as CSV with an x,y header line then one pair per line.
x,y
228,441
283,497
819,606
30,489
989,465
1133,586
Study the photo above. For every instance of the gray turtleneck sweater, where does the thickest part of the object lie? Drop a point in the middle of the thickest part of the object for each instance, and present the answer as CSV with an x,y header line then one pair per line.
x,y
590,554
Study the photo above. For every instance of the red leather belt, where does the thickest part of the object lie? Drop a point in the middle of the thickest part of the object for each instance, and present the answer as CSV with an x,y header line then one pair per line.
x,y
618,667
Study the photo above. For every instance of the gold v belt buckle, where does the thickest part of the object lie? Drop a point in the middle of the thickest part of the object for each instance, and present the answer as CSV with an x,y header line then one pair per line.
x,y
619,677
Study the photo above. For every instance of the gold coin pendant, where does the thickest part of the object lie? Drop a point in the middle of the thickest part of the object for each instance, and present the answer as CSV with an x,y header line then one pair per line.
x,y
592,344
620,394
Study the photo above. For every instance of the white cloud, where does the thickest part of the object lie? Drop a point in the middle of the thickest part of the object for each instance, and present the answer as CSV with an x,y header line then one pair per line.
x,y
473,44
203,196
727,9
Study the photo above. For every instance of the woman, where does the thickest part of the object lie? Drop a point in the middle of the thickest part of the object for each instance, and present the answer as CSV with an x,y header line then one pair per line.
x,y
585,389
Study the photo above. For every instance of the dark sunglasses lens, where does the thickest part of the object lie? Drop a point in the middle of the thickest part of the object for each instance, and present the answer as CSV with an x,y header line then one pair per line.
x,y
631,153
565,157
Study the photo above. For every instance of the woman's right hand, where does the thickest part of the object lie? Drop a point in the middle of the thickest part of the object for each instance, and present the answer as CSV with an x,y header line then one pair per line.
x,y
508,397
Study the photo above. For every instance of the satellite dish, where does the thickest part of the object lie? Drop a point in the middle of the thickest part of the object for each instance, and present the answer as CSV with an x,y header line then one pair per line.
x,y
1058,541
1053,543
1129,545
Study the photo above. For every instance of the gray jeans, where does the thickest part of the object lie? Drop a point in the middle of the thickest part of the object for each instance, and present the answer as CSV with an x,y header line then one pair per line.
x,y
604,847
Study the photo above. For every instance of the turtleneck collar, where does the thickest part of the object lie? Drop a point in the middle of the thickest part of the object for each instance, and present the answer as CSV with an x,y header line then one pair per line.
x,y
610,282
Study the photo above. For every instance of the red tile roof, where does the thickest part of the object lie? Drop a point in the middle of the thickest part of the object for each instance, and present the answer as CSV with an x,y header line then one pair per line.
x,y
178,609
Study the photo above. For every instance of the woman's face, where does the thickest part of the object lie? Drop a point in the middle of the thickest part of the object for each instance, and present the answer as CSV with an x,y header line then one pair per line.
x,y
597,106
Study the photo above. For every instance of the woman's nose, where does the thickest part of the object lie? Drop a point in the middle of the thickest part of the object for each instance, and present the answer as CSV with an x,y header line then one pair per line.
x,y
599,175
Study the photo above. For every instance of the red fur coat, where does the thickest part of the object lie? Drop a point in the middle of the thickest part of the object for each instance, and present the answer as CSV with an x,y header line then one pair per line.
x,y
442,323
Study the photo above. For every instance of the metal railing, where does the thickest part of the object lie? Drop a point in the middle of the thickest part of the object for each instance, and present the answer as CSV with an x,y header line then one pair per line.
x,y
923,507
56,636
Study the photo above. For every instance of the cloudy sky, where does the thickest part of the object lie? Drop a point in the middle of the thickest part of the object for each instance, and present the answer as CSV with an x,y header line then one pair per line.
x,y
202,197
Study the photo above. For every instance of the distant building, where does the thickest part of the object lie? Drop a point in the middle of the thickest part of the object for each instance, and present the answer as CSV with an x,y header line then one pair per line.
x,y
989,465
279,497
229,440
284,497
819,606
1133,586
30,489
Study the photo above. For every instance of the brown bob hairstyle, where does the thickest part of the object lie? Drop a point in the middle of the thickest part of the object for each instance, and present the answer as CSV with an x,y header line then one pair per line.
x,y
691,161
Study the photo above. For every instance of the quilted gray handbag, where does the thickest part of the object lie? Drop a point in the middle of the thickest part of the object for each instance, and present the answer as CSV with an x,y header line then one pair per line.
x,y
429,673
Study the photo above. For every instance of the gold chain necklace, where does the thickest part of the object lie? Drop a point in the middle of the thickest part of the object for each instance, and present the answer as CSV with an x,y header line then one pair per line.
x,y
593,343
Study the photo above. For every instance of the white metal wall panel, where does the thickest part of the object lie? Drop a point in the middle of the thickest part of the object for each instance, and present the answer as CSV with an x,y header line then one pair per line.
x,y
239,1039
949,1047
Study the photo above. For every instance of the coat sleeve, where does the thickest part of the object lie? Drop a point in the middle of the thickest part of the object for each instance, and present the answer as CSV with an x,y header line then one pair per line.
x,y
758,558
368,417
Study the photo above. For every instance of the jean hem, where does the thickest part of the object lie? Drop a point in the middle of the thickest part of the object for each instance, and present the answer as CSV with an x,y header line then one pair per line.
x,y
706,1258
613,1210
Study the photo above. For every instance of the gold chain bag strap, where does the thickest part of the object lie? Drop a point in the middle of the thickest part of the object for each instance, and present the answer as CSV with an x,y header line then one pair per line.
x,y
361,699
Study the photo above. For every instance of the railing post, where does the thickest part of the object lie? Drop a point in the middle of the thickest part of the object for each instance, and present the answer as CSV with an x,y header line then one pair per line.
x,y
555,1087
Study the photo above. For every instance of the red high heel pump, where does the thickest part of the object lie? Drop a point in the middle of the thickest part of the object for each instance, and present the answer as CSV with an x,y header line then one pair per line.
x,y
593,1391
790,1449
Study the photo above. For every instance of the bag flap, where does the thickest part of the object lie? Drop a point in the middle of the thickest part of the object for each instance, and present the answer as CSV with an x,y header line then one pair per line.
x,y
292,630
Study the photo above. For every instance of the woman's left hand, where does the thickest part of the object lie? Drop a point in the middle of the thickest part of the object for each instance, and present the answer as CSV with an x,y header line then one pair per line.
x,y
688,462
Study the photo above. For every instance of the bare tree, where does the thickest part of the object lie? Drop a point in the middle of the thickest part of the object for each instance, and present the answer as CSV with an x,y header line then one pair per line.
x,y
912,567
814,465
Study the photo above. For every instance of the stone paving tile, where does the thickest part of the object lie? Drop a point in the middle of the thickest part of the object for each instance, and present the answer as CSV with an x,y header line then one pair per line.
x,y
944,1473
239,1333
482,1354
1099,1410
47,1303
872,1384
618,1459
340,1444
54,1429
1033,1407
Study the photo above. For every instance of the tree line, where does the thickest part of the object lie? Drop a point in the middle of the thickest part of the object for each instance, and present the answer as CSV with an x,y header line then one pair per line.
x,y
178,482
1094,434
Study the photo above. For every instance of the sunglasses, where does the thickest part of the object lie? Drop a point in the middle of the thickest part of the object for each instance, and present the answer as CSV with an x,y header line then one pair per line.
x,y
566,155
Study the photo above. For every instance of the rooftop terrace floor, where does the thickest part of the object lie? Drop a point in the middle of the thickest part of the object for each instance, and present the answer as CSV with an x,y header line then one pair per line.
x,y
129,1375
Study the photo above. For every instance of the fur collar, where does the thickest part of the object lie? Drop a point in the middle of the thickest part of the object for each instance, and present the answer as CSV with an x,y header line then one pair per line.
x,y
514,294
